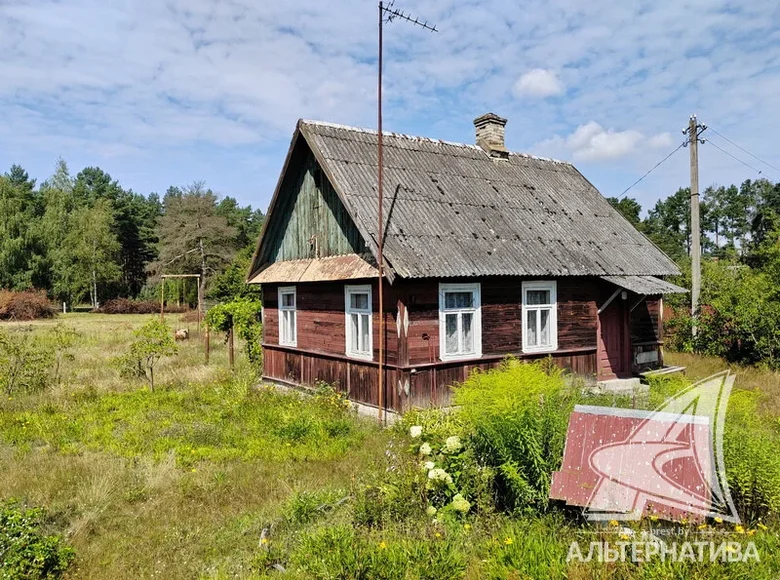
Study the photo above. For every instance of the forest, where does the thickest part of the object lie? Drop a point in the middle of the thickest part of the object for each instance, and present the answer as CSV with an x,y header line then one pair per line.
x,y
740,303
87,239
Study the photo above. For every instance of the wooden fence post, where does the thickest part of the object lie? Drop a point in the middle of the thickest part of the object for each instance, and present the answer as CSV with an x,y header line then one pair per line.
x,y
231,356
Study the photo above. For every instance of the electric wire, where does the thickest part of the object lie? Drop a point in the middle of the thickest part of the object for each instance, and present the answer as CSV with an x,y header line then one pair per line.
x,y
656,166
738,146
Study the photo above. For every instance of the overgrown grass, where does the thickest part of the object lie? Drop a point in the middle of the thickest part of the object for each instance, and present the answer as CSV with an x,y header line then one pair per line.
x,y
208,477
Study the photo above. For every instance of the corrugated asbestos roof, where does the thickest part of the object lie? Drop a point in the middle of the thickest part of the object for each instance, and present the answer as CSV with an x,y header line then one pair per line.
x,y
347,267
452,211
646,285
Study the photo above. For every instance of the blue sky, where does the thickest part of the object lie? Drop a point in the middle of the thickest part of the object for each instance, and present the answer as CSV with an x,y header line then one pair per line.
x,y
161,93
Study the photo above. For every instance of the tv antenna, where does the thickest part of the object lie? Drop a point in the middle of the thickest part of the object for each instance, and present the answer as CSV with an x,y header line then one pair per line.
x,y
387,14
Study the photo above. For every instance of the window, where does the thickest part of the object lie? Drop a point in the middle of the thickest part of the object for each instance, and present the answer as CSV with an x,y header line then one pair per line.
x,y
358,312
460,321
288,319
540,319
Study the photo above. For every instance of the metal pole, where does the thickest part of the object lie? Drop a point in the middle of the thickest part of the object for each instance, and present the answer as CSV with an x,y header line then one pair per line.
x,y
380,390
693,140
162,298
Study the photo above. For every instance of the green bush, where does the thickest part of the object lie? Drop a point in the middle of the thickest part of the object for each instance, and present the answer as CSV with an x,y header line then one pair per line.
x,y
26,551
153,341
30,361
243,314
517,416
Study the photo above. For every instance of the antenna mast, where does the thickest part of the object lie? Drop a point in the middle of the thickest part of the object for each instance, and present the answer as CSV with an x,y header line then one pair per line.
x,y
386,14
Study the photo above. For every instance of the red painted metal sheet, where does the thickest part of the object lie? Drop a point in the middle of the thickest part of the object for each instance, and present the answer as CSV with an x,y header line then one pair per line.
x,y
626,461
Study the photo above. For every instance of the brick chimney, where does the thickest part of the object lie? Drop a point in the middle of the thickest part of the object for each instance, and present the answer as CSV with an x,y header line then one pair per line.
x,y
490,135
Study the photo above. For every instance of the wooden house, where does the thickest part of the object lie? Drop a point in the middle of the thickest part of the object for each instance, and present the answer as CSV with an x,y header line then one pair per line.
x,y
487,253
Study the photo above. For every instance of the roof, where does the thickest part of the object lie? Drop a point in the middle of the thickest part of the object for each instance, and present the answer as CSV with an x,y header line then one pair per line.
x,y
347,267
646,285
453,211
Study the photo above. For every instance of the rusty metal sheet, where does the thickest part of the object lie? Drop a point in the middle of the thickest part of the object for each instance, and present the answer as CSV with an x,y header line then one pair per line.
x,y
631,461
348,267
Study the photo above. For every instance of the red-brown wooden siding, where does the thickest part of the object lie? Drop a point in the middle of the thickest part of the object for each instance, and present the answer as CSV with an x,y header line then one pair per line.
x,y
415,376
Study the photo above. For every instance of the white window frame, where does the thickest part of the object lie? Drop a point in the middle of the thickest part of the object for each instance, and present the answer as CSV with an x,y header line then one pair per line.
x,y
348,326
552,287
284,340
476,289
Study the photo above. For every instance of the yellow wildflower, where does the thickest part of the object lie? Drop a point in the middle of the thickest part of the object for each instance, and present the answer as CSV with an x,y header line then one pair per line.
x,y
701,527
466,526
508,541
719,520
739,529
382,545
613,523
751,532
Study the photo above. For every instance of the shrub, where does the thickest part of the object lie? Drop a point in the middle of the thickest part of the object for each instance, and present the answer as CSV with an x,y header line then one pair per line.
x,y
153,342
27,305
752,463
517,416
128,306
29,361
26,551
243,315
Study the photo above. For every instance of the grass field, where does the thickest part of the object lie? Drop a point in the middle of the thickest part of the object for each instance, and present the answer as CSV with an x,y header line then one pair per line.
x,y
175,483
182,481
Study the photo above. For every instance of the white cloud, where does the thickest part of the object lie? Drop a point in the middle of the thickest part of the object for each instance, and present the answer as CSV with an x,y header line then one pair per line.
x,y
592,142
218,86
539,83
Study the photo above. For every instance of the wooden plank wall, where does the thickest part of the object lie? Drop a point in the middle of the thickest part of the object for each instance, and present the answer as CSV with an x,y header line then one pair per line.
x,y
311,221
501,316
415,375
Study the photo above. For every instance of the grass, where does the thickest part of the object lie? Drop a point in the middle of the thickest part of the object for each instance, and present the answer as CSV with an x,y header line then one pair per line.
x,y
175,483
764,381
209,477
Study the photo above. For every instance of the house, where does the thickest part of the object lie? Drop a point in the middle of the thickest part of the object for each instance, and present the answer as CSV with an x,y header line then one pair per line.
x,y
487,253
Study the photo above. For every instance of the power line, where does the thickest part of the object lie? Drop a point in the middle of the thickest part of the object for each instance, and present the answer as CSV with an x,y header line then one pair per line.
x,y
734,157
656,166
757,158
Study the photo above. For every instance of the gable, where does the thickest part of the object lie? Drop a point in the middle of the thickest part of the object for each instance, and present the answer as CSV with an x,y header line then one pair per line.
x,y
307,220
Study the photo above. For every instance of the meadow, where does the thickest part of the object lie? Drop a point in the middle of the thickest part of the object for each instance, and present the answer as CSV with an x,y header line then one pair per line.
x,y
211,475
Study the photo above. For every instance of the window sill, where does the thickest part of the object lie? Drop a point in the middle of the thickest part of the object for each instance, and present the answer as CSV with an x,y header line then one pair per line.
x,y
365,357
456,357
541,350
292,344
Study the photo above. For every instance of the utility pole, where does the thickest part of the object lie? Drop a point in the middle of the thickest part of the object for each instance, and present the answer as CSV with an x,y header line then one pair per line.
x,y
693,131
386,14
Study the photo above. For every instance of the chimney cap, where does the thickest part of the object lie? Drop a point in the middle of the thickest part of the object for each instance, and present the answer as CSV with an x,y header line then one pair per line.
x,y
489,118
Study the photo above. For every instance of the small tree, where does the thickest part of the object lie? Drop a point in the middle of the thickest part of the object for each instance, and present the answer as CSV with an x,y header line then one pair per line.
x,y
153,342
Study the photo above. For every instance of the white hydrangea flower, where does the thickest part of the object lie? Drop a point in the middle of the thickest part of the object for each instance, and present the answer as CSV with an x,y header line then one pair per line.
x,y
431,511
438,474
429,465
415,431
460,504
452,444
425,449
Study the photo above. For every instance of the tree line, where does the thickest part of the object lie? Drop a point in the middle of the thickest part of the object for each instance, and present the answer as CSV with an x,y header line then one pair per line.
x,y
739,317
87,238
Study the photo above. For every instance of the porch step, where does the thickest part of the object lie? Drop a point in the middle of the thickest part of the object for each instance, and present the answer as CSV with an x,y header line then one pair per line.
x,y
622,386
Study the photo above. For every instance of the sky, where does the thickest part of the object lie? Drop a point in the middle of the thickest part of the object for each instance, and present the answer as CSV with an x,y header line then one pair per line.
x,y
168,92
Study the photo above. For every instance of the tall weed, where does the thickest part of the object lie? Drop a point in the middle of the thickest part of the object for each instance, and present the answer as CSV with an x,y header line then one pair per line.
x,y
517,416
